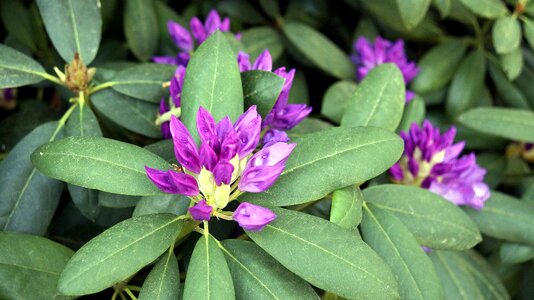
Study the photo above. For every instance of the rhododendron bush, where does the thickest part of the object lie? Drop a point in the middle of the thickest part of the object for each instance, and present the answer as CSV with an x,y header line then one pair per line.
x,y
301,149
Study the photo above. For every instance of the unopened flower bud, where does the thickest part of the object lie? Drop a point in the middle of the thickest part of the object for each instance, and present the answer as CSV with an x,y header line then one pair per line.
x,y
201,211
77,75
253,217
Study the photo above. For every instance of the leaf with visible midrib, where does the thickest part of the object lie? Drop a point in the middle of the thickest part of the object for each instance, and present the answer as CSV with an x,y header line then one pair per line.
x,y
141,28
144,81
346,209
17,69
261,88
163,282
412,11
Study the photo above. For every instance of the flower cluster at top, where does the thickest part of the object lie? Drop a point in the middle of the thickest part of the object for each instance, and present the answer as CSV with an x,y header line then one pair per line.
x,y
223,167
283,116
369,55
431,160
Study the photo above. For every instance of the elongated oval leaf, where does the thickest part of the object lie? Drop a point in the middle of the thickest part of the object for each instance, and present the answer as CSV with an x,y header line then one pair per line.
x,y
413,270
118,253
336,99
163,282
434,221
512,63
257,39
30,266
29,199
328,160
414,112
169,203
513,253
342,262
506,34
99,163
74,26
117,200
17,22
507,90
17,69
412,12
528,30
506,218
212,81
141,28
484,275
490,9
378,100
208,276
144,81
262,89
320,50
513,124
346,210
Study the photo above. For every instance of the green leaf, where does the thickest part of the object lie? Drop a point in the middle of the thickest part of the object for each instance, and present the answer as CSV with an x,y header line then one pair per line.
x,y
437,66
86,200
490,9
495,165
467,83
141,28
132,114
413,270
506,34
342,262
118,253
74,26
412,12
261,88
513,124
319,49
117,200
320,161
434,221
29,199
168,203
30,266
308,125
208,275
507,90
512,63
144,81
336,99
506,218
163,148
17,69
17,22
378,100
528,29
82,122
346,210
485,277
512,253
212,81
443,6
99,163
414,112
257,39
256,275
163,282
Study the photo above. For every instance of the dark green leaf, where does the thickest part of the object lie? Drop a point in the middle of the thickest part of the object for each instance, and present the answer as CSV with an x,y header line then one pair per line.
x,y
507,90
443,6
17,69
412,12
86,201
261,88
486,278
506,34
17,22
141,28
164,148
163,282
434,221
490,9
144,81
308,125
168,203
528,29
495,165
512,253
342,262
117,200
99,163
320,161
414,112
118,253
336,99
74,26
512,63
346,210
258,39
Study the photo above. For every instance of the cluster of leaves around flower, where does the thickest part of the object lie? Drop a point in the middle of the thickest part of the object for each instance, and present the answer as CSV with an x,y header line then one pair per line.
x,y
317,215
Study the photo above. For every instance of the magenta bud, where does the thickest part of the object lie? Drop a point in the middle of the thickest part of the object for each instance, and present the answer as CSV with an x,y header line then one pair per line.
x,y
201,211
181,37
253,217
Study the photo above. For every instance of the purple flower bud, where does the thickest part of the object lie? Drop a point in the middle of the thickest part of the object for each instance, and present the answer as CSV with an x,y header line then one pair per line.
x,y
225,26
290,116
181,37
273,136
264,62
248,128
173,182
201,211
168,60
165,129
229,146
198,30
253,217
243,61
223,172
213,22
208,157
185,148
182,58
206,127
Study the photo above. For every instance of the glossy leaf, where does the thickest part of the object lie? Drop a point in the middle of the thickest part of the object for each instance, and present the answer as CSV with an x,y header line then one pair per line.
x,y
17,69
336,99
319,161
506,34
74,26
414,112
17,22
319,50
490,9
141,28
99,163
342,262
262,89
163,282
346,210
144,81
378,100
434,221
82,122
257,39
412,12
168,203
118,253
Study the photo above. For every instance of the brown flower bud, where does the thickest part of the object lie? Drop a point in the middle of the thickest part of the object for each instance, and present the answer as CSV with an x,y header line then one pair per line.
x,y
77,75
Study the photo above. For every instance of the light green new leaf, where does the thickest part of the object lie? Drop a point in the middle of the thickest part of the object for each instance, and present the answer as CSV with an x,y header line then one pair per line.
x,y
346,210
319,50
212,81
513,124
141,28
17,22
378,100
163,282
506,218
320,161
414,112
434,221
528,29
506,34
29,199
490,9
30,266
336,99
144,81
17,69
484,275
208,276
256,275
74,26
262,89
99,163
257,39
412,11
118,253
413,270
342,262
512,63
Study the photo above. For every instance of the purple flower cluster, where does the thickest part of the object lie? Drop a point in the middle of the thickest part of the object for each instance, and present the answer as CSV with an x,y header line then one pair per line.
x,y
432,161
369,55
175,88
283,116
223,166
185,41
